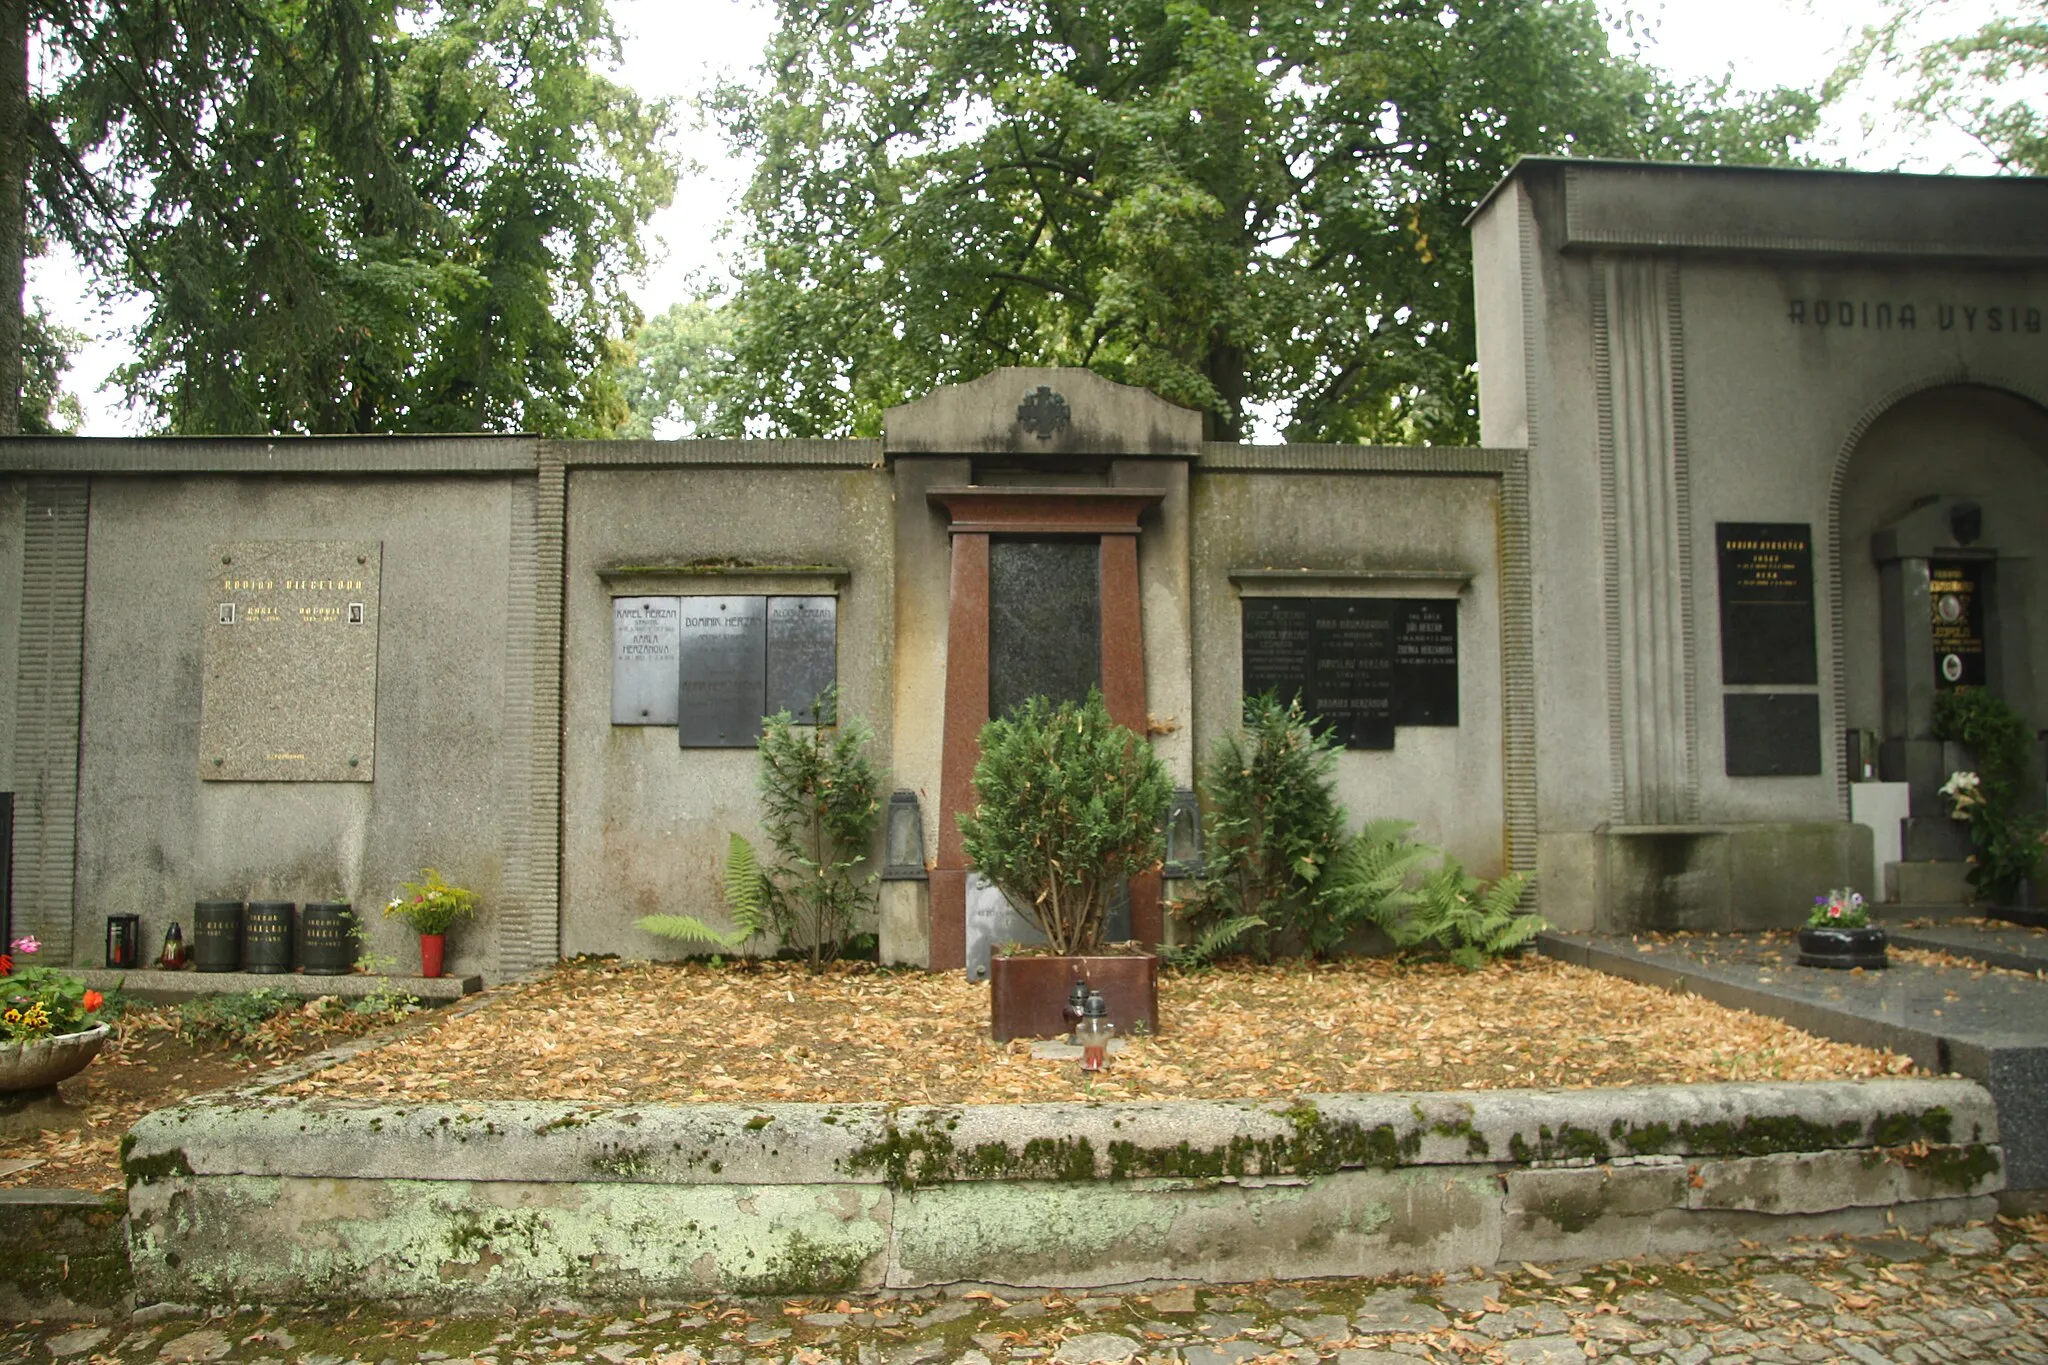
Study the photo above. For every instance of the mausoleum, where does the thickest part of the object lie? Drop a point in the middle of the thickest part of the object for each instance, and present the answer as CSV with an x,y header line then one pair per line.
x,y
1765,468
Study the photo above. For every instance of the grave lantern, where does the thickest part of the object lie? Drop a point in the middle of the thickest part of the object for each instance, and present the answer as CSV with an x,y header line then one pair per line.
x,y
1183,835
904,857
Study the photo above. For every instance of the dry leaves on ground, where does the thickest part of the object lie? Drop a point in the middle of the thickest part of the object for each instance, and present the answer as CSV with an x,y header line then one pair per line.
x,y
611,1032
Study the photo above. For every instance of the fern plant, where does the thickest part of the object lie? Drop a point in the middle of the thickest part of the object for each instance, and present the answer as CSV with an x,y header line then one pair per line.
x,y
820,810
1461,917
1366,883
748,895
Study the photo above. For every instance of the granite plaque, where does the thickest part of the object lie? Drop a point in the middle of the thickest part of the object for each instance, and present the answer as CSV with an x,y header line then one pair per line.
x,y
1767,632
803,637
1955,596
646,657
723,674
1362,665
1044,621
290,677
1771,734
1426,663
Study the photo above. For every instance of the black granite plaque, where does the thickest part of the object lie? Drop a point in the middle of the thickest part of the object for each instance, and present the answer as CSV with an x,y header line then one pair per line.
x,y
723,671
1767,634
1771,734
803,637
1426,663
1362,665
1955,596
1044,621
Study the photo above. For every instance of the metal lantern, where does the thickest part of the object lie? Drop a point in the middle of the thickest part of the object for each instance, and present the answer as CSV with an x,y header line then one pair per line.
x,y
1183,835
124,941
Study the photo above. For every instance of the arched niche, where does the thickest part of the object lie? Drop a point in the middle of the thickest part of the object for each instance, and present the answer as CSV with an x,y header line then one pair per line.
x,y
1951,479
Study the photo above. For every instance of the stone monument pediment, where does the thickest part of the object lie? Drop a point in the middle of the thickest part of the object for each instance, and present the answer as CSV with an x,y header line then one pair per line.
x,y
1025,411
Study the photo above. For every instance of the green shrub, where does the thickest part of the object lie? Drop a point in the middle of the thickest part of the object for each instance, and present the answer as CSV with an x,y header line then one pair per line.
x,y
820,802
234,1017
1462,917
2005,831
1068,804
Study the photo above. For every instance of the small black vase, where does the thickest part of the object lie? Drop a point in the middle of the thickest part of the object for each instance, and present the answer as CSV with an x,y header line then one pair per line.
x,y
1842,947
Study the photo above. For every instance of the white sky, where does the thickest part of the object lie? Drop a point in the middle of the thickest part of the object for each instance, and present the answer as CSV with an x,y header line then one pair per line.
x,y
680,49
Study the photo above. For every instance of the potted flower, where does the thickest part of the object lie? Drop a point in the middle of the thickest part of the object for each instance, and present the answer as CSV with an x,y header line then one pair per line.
x,y
2000,800
1839,933
1069,803
431,906
50,1025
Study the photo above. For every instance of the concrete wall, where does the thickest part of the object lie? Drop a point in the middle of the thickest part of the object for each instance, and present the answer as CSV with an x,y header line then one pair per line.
x,y
648,821
153,837
1423,536
511,1203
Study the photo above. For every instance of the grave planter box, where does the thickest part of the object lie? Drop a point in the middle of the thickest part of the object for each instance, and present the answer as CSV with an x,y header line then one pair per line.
x,y
1027,992
1842,947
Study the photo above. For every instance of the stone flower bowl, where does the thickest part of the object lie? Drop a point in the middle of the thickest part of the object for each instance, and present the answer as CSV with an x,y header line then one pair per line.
x,y
46,1061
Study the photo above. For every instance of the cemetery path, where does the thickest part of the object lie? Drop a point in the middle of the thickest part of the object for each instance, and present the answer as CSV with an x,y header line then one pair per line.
x,y
1972,1293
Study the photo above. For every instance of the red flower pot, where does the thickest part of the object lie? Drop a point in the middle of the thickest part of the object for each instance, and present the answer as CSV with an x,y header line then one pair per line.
x,y
432,946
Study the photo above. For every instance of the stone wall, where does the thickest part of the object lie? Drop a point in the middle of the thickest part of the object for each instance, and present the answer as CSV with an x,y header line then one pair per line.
x,y
253,1198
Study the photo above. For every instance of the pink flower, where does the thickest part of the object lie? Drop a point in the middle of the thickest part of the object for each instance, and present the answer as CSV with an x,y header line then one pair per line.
x,y
1834,912
27,943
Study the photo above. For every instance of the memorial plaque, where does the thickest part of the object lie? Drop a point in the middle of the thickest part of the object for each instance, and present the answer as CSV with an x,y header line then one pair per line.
x,y
1426,663
1362,665
803,659
1351,669
1955,596
1771,734
646,657
1767,632
1044,621
290,679
723,674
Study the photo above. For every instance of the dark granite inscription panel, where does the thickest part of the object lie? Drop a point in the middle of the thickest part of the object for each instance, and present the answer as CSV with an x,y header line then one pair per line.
x,y
1426,663
1771,734
1767,632
1955,595
1044,621
724,672
1362,665
803,636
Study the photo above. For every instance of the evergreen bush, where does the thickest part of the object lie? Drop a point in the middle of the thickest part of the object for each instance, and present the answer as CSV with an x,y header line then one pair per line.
x,y
1068,803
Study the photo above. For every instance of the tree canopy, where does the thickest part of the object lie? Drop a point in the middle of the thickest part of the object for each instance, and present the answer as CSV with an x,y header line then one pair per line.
x,y
352,215
1990,83
1249,206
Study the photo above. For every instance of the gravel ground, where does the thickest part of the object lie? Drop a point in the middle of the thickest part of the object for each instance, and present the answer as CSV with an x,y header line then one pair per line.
x,y
1975,1293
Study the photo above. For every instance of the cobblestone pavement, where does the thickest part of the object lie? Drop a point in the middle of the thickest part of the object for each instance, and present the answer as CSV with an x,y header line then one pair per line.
x,y
1975,1293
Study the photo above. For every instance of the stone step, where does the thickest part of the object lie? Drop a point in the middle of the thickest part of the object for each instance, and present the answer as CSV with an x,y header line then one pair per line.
x,y
150,983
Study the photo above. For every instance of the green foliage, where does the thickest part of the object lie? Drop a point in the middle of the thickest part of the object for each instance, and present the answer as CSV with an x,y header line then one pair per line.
x,y
430,905
1987,82
42,1002
1368,883
354,215
2005,825
1257,204
676,357
821,806
1272,826
1068,803
46,408
1277,857
748,895
235,1018
1463,918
